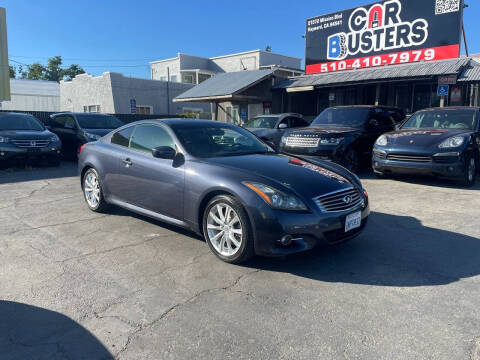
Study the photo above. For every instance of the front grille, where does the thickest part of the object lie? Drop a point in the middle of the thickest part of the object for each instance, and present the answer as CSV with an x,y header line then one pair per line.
x,y
31,144
409,158
342,200
307,142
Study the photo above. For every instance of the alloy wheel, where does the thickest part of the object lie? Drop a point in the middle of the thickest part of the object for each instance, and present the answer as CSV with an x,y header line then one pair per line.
x,y
224,229
91,188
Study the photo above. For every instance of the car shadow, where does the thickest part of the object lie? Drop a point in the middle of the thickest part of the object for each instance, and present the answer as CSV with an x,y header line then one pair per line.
x,y
392,251
30,332
27,172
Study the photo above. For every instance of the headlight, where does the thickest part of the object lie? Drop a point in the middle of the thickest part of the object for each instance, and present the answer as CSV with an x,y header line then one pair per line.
x,y
331,141
54,138
276,198
382,141
90,136
452,142
3,139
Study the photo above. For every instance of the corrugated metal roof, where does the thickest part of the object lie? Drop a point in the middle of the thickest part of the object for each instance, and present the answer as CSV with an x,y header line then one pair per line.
x,y
471,74
413,70
34,87
225,84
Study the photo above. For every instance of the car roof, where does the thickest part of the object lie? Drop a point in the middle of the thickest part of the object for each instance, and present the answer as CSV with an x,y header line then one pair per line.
x,y
451,108
14,114
366,107
278,115
80,113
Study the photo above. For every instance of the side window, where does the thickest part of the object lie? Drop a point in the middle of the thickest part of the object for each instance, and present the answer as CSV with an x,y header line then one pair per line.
x,y
285,121
147,137
385,121
298,122
69,122
58,121
122,137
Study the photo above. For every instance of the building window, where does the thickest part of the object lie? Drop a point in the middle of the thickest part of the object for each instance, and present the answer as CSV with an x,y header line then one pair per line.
x,y
188,79
144,109
163,78
203,77
173,78
91,109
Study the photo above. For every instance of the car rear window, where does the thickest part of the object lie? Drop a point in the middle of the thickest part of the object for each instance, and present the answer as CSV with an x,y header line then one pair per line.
x,y
98,121
20,122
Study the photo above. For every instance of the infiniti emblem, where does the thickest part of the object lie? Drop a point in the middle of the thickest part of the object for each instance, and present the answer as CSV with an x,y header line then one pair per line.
x,y
411,141
347,199
33,143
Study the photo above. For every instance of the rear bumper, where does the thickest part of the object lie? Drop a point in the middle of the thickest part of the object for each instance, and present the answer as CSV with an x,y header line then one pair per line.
x,y
307,229
447,168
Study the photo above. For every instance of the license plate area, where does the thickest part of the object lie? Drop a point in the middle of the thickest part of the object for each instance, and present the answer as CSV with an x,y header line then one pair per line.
x,y
353,221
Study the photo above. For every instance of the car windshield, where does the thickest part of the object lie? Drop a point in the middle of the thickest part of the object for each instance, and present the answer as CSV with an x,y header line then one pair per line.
x,y
98,121
342,117
442,119
216,141
20,122
266,122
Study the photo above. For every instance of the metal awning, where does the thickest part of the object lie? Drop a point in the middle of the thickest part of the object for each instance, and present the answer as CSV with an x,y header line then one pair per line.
x,y
225,87
379,74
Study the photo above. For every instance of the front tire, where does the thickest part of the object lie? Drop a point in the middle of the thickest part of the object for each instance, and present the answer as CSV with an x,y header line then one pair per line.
x,y
470,171
92,191
227,230
351,160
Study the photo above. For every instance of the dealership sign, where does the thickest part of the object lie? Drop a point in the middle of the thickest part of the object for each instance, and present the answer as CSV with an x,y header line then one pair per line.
x,y
385,33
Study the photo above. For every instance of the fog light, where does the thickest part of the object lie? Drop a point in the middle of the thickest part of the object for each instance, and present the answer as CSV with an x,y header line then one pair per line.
x,y
376,164
286,240
2,153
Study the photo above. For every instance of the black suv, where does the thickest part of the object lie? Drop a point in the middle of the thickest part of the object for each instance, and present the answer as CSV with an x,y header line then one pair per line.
x,y
23,137
344,134
76,129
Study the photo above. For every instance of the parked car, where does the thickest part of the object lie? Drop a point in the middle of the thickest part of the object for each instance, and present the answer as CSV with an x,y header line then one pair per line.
x,y
221,181
272,127
75,129
23,137
443,142
344,134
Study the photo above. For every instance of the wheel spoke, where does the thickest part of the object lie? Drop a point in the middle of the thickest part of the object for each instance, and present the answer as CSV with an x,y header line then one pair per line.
x,y
220,213
234,241
236,231
214,227
215,218
234,220
217,236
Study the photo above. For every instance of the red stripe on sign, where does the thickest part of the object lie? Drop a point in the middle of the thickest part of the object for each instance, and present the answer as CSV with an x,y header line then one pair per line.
x,y
431,54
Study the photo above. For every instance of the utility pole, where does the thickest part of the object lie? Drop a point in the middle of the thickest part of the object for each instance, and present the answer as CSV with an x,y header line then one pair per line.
x,y
168,90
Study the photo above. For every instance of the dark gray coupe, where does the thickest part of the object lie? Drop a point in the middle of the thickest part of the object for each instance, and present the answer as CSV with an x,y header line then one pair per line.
x,y
221,181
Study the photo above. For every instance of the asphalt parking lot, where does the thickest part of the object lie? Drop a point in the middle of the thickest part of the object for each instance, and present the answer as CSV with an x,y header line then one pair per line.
x,y
75,284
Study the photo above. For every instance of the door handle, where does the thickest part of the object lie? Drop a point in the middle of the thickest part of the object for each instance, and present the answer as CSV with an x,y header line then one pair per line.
x,y
127,162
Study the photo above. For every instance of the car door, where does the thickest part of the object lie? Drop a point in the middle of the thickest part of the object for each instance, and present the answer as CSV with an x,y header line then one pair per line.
x,y
145,181
65,127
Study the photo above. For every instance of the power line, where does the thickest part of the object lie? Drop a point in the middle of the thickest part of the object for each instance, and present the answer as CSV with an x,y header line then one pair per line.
x,y
92,66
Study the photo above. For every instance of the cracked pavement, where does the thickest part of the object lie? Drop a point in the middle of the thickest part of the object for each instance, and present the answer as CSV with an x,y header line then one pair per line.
x,y
80,285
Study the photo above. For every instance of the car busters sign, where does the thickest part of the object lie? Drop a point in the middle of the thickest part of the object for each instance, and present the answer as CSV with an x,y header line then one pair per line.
x,y
385,33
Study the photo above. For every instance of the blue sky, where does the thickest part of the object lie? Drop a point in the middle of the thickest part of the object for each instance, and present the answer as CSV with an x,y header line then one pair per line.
x,y
123,36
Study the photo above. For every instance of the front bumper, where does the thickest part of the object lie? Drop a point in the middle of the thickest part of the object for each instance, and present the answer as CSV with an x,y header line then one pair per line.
x,y
308,229
324,152
452,166
10,152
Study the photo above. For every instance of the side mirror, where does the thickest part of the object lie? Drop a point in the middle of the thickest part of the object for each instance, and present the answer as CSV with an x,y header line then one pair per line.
x,y
283,126
164,152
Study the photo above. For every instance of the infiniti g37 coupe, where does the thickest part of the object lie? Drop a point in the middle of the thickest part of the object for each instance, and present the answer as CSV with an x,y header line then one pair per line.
x,y
443,142
221,181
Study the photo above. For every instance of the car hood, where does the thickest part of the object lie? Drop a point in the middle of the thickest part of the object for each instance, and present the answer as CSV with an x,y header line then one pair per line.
x,y
421,139
321,131
101,132
307,178
26,134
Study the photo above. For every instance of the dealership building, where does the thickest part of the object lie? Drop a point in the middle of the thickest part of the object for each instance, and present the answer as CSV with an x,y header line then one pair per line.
x,y
401,53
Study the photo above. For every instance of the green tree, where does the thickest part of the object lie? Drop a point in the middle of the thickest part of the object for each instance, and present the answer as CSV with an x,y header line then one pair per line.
x,y
54,71
13,71
36,71
72,71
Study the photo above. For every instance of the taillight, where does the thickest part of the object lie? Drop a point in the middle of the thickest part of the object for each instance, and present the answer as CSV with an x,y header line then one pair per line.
x,y
365,193
80,148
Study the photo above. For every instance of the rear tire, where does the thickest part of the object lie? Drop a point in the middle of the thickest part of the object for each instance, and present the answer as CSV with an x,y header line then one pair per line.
x,y
227,230
92,191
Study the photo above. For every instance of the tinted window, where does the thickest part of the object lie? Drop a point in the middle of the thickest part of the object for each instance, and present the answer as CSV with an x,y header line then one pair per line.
x,y
298,122
267,122
89,121
69,122
216,140
442,119
58,121
148,137
20,122
342,117
122,137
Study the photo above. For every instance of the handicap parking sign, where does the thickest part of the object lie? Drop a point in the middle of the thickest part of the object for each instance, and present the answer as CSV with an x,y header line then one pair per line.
x,y
443,90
